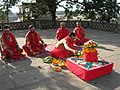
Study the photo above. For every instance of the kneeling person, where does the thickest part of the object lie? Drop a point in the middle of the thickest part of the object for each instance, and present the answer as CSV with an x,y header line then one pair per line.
x,y
65,47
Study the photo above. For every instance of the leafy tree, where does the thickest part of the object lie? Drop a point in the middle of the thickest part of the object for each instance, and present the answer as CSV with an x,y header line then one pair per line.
x,y
8,4
44,6
39,9
105,9
2,15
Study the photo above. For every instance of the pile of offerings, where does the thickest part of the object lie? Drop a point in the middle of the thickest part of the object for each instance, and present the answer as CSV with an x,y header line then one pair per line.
x,y
56,64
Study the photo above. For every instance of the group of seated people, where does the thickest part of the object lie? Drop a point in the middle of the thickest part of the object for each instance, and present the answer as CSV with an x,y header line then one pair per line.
x,y
9,46
34,45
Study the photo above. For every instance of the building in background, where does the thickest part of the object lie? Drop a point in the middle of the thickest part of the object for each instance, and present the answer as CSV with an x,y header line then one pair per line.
x,y
12,16
28,11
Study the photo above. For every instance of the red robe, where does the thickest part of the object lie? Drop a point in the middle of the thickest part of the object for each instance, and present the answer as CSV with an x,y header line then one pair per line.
x,y
33,41
61,52
78,32
62,33
12,46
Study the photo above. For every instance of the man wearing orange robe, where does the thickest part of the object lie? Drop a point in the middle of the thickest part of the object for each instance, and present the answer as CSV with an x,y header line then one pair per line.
x,y
80,34
9,45
62,32
65,47
34,43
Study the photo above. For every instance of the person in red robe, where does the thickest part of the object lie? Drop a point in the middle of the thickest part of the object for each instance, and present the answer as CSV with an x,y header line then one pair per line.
x,y
34,43
62,32
9,45
80,34
65,47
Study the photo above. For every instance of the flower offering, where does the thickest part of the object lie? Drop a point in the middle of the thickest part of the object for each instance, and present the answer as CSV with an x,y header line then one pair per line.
x,y
90,51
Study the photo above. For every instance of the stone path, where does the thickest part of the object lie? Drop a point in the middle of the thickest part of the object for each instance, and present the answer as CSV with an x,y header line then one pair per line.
x,y
26,74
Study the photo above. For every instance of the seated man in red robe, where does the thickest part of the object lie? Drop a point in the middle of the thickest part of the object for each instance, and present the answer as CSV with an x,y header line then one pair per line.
x,y
80,34
9,45
34,43
62,32
65,47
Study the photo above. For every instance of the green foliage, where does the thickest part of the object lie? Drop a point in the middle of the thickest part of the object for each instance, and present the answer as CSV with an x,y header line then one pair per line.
x,y
45,6
48,59
91,9
10,3
104,9
2,15
6,4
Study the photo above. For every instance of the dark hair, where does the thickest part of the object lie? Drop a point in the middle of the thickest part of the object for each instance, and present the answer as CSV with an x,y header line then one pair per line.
x,y
72,34
31,26
6,27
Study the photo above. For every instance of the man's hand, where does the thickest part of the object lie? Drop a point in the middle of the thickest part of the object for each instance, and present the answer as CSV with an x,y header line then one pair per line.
x,y
75,51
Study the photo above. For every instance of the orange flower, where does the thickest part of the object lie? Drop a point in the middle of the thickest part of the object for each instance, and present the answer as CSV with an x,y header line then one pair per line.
x,y
55,61
94,50
86,50
57,69
90,44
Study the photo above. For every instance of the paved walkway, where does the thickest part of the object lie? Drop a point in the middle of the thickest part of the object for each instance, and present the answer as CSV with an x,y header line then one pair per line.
x,y
26,75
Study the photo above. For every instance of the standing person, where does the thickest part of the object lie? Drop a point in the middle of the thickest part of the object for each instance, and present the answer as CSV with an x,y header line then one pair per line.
x,y
9,45
34,43
65,47
62,32
80,34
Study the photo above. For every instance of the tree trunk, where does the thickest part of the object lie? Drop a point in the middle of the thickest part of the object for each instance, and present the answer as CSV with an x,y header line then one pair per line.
x,y
7,13
7,17
54,15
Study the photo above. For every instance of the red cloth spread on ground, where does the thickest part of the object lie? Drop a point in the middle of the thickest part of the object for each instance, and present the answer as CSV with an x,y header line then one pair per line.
x,y
11,46
61,52
88,74
62,33
33,41
78,32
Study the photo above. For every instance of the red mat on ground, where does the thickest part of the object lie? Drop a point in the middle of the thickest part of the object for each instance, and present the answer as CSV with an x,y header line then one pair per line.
x,y
48,49
88,74
41,55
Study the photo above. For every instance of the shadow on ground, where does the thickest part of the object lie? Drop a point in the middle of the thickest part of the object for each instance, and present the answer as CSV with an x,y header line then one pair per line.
x,y
21,75
111,81
102,47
